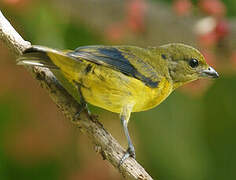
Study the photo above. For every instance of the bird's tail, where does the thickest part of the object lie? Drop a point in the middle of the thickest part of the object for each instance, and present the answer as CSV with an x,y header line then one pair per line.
x,y
39,56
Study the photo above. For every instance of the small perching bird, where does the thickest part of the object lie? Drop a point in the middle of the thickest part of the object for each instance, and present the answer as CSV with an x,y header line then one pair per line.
x,y
123,79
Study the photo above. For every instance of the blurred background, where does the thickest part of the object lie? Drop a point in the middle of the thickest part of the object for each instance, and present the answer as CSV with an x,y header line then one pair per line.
x,y
190,136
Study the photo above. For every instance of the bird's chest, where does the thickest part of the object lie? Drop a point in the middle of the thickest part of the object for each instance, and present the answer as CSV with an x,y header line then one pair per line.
x,y
151,97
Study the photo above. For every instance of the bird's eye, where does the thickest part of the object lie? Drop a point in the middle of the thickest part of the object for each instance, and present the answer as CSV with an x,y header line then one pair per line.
x,y
193,63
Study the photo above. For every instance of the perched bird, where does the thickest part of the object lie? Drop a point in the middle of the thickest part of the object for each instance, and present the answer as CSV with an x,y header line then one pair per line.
x,y
123,79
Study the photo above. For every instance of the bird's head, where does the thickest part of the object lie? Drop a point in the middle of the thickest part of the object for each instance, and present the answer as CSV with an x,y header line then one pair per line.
x,y
186,64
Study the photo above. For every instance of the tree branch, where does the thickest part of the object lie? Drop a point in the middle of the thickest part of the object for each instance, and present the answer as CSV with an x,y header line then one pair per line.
x,y
107,146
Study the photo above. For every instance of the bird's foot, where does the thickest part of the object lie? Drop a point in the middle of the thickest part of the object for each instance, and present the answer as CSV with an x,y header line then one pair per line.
x,y
83,108
130,152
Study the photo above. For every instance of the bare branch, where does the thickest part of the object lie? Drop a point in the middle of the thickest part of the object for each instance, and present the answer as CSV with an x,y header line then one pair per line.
x,y
108,147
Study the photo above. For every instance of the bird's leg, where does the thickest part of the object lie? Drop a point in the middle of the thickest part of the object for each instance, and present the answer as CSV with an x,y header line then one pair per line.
x,y
130,152
84,105
124,116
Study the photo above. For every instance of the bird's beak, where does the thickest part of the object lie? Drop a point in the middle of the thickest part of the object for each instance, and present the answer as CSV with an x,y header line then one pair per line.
x,y
210,72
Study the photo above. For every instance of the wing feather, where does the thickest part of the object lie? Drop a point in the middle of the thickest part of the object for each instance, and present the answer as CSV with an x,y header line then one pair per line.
x,y
120,58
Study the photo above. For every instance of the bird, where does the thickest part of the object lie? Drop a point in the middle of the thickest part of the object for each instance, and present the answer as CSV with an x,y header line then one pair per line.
x,y
123,79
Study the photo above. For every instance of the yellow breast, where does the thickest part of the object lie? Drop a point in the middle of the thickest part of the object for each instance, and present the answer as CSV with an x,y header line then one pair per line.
x,y
151,97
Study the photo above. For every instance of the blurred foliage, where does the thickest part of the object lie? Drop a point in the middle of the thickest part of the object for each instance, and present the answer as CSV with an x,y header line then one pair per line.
x,y
197,135
231,5
188,136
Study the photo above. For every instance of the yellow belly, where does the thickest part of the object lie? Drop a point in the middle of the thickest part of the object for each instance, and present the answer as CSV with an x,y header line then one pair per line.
x,y
111,90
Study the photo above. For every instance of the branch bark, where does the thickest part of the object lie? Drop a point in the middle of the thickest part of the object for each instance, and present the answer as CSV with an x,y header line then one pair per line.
x,y
106,145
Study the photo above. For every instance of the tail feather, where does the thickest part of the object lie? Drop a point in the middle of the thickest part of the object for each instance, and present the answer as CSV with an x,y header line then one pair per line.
x,y
37,56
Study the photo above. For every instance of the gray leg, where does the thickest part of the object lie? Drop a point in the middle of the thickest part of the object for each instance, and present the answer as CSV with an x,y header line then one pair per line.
x,y
130,152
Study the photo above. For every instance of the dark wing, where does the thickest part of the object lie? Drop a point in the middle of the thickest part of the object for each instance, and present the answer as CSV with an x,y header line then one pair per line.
x,y
121,58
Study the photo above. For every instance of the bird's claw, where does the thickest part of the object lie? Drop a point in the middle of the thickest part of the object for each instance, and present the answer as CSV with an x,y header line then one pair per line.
x,y
130,152
83,108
